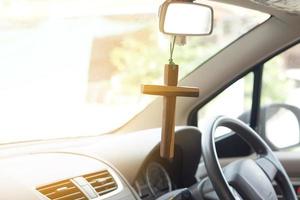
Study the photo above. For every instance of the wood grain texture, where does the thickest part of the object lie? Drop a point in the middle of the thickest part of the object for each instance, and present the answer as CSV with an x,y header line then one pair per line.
x,y
169,105
170,90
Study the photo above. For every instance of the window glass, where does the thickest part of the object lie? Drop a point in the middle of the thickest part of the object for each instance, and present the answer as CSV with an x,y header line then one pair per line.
x,y
235,102
74,67
280,113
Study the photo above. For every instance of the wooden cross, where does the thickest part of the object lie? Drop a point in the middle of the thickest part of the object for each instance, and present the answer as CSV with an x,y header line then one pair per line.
x,y
170,91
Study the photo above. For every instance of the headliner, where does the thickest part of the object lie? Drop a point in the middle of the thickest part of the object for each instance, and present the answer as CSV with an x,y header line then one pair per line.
x,y
290,6
287,11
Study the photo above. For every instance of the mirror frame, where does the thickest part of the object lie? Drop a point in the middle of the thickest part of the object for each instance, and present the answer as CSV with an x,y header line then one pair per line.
x,y
162,15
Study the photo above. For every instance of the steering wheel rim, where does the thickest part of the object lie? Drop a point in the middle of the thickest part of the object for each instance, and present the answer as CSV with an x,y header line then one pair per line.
x,y
265,159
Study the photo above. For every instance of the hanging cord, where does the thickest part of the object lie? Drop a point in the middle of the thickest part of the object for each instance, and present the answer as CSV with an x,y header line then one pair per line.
x,y
172,46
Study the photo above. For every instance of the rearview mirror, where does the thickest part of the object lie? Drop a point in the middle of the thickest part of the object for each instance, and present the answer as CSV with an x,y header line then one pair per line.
x,y
185,18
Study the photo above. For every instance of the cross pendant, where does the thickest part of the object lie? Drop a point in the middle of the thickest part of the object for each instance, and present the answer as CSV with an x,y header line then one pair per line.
x,y
169,91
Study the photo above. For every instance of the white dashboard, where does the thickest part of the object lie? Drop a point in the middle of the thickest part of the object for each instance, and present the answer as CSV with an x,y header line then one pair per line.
x,y
61,176
78,168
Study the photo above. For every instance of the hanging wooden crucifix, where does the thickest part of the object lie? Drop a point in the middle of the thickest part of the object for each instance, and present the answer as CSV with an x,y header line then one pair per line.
x,y
169,91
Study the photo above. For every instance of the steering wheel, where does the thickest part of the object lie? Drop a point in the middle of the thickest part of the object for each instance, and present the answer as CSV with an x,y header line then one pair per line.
x,y
245,178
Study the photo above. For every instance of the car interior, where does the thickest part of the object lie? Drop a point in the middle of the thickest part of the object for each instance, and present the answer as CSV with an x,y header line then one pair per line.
x,y
78,123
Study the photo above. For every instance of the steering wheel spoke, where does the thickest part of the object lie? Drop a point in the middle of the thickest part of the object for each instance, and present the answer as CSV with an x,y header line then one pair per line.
x,y
269,168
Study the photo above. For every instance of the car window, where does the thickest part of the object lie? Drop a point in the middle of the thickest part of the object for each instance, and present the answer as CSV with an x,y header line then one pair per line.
x,y
235,101
280,113
74,67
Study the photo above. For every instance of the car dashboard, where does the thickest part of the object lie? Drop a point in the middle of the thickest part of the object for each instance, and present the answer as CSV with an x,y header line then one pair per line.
x,y
112,167
61,176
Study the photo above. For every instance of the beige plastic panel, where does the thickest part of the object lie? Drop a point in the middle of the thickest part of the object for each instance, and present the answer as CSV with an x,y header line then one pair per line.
x,y
24,174
292,6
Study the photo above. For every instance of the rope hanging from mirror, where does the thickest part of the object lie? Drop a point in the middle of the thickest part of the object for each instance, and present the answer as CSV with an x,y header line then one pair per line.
x,y
172,46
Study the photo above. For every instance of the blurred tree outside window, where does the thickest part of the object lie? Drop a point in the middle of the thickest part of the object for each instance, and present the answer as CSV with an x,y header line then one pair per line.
x,y
74,67
139,57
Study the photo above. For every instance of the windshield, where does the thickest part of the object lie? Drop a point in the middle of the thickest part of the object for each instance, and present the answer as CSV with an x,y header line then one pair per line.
x,y
74,67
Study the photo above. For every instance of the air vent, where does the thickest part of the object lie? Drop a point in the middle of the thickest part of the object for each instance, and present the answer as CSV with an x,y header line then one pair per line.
x,y
103,182
62,190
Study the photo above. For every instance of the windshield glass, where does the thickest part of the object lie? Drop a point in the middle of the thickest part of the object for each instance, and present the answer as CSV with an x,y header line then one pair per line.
x,y
74,67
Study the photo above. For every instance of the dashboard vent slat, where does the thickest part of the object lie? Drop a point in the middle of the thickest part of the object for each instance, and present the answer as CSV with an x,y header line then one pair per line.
x,y
103,182
62,190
